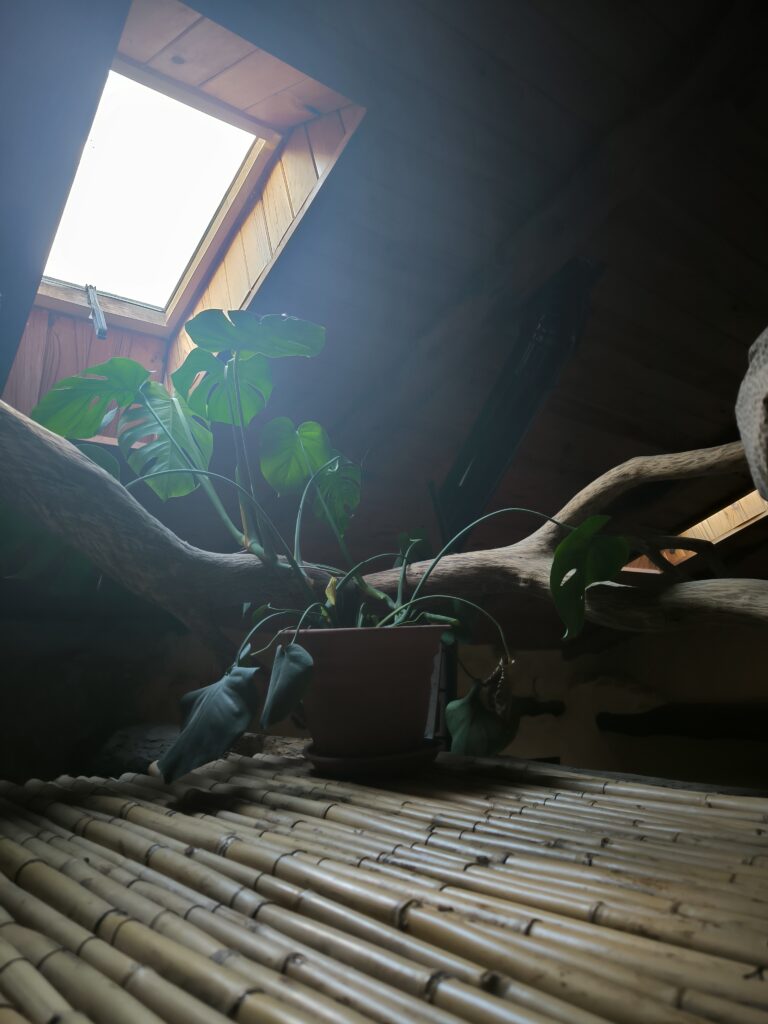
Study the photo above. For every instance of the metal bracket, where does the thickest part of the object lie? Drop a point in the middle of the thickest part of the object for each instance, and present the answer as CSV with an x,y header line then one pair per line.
x,y
97,313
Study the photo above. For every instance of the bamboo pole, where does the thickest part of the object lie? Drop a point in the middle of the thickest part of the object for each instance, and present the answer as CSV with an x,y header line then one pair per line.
x,y
482,892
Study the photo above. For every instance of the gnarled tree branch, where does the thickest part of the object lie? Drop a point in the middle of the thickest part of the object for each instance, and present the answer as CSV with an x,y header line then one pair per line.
x,y
48,480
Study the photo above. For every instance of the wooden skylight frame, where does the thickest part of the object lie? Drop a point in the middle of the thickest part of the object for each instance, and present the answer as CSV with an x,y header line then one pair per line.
x,y
64,297
153,21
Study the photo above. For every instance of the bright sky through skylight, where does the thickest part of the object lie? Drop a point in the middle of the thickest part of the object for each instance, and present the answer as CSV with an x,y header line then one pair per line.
x,y
151,177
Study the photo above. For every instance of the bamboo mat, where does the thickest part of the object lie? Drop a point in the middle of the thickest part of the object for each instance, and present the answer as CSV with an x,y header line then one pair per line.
x,y
484,891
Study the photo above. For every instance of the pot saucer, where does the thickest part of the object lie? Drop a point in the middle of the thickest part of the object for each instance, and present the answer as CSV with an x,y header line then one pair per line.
x,y
382,765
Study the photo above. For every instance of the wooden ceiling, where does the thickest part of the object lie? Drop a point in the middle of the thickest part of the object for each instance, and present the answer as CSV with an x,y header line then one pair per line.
x,y
168,40
501,140
491,153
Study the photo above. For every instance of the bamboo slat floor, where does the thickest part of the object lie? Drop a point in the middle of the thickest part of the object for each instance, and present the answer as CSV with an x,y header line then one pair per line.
x,y
488,891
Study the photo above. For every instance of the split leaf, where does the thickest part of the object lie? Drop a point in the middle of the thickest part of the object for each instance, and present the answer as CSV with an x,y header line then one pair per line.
x,y
76,406
273,335
213,395
166,435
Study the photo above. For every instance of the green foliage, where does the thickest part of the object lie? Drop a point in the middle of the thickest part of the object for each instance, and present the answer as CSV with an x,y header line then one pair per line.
x,y
76,406
214,717
214,396
291,675
415,545
167,437
585,556
273,335
291,454
338,493
475,731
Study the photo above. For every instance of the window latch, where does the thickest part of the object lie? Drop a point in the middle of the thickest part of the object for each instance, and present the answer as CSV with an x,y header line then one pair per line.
x,y
97,313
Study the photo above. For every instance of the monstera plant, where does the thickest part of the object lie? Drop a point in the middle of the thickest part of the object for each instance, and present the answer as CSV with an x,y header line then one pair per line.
x,y
165,435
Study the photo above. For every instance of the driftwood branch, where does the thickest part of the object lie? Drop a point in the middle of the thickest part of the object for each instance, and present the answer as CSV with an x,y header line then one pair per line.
x,y
50,481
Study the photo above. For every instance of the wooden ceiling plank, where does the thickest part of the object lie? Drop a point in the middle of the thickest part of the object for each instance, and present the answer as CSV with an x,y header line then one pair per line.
x,y
633,303
677,257
351,117
446,64
237,272
202,51
196,98
151,25
681,17
277,206
325,134
258,251
252,79
520,36
298,103
298,167
740,225
618,32
615,170
218,289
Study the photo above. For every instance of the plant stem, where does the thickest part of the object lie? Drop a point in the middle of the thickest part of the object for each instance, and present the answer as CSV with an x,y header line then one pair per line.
x,y
461,600
264,535
462,533
204,483
317,604
364,587
206,473
256,629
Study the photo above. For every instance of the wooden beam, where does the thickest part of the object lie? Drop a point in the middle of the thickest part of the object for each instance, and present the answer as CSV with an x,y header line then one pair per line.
x,y
195,98
62,297
211,247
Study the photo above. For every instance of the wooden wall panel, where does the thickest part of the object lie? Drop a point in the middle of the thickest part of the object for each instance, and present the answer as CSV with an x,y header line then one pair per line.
x,y
277,206
325,135
255,239
299,168
55,345
308,154
22,389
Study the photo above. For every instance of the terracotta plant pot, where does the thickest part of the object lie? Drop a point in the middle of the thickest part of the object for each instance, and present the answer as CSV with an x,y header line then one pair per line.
x,y
370,690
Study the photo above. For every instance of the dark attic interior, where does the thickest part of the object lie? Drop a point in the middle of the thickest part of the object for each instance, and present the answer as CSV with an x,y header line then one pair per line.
x,y
383,507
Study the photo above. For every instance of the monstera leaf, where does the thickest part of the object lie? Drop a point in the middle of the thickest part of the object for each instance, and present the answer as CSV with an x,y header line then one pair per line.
x,y
584,557
213,394
291,454
76,406
167,437
339,487
273,335
475,731
291,675
214,717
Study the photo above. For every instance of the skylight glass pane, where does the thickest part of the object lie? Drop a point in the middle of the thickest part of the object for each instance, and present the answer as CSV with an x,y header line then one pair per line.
x,y
151,177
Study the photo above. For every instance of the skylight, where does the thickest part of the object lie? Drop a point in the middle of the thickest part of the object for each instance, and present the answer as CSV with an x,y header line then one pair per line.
x,y
151,177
